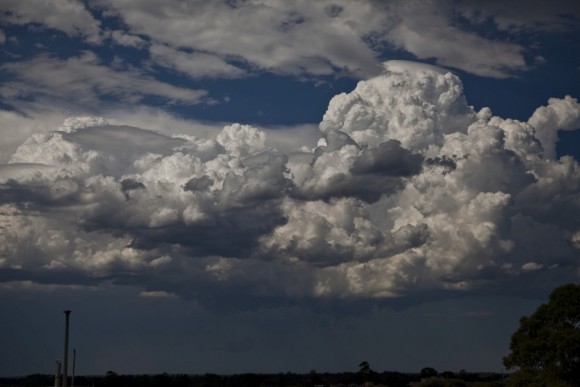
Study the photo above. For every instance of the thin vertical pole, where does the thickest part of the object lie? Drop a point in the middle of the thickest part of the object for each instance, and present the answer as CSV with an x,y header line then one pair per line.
x,y
74,366
57,374
65,365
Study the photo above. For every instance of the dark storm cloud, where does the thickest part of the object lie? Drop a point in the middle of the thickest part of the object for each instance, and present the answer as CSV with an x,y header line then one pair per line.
x,y
264,179
367,187
60,193
447,163
128,185
14,192
374,171
198,184
234,233
389,159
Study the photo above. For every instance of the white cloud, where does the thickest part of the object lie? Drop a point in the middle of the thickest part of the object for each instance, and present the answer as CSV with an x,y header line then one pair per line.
x,y
416,106
84,79
277,36
272,35
330,37
17,127
195,65
409,190
560,114
73,123
69,16
124,39
459,49
429,29
31,239
38,118
536,15
241,140
289,138
530,266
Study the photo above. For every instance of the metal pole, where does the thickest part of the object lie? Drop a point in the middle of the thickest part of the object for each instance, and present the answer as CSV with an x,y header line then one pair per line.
x,y
72,383
57,374
65,364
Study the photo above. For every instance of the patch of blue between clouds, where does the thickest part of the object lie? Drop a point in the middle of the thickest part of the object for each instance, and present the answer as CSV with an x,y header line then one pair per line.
x,y
264,99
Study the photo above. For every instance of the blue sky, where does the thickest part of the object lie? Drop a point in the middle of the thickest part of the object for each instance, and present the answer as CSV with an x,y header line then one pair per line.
x,y
271,186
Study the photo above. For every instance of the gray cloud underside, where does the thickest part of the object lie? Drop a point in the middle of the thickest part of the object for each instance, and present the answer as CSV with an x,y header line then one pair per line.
x,y
408,191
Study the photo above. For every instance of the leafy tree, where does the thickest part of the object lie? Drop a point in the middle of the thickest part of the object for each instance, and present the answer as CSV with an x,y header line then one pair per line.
x,y
546,348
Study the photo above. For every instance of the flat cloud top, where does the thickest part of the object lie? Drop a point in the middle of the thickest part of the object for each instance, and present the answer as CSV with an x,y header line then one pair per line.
x,y
409,190
414,67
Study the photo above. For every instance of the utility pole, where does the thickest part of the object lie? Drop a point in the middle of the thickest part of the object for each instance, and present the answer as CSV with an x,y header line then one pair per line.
x,y
65,363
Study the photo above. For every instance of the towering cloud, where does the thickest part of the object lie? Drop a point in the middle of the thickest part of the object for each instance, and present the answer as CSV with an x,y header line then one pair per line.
x,y
560,114
409,189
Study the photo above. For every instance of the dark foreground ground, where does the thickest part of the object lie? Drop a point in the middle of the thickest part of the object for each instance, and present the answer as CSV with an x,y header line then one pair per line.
x,y
350,379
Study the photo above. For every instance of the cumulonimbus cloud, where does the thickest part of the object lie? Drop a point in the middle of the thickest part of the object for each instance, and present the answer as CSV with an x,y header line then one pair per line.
x,y
409,189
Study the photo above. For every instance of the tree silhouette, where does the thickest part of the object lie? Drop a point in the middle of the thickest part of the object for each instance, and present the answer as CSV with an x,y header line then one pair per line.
x,y
364,367
365,374
428,372
545,349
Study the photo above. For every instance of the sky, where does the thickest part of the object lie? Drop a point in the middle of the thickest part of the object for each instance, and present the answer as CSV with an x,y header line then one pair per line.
x,y
283,186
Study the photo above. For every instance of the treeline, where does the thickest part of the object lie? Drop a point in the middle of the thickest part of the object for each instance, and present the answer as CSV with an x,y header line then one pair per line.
x,y
391,379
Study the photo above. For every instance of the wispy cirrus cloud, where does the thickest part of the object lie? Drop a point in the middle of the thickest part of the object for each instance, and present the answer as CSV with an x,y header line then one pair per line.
x,y
425,29
85,80
194,65
537,15
69,16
